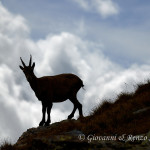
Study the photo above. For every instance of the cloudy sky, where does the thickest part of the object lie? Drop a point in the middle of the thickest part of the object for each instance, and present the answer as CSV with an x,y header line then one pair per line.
x,y
104,42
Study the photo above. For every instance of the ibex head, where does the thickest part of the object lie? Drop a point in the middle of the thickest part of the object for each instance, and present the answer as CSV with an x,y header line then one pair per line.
x,y
28,70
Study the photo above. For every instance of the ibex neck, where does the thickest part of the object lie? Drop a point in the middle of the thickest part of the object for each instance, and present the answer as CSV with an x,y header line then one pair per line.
x,y
33,83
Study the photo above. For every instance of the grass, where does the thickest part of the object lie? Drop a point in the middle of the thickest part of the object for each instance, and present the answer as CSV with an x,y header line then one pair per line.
x,y
110,118
5,145
118,117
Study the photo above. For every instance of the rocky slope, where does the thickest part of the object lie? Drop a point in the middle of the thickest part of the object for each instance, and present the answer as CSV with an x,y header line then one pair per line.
x,y
40,138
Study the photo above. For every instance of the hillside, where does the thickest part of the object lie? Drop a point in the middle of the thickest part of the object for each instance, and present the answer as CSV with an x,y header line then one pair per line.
x,y
123,124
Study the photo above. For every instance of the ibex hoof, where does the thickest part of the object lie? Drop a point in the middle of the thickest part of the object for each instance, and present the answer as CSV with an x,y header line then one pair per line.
x,y
70,116
46,124
41,123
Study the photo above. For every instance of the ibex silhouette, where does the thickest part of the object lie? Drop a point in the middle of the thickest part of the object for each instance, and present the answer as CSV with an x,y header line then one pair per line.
x,y
51,89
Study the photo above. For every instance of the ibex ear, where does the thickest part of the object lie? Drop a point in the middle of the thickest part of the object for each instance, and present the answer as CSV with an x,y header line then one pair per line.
x,y
21,67
33,65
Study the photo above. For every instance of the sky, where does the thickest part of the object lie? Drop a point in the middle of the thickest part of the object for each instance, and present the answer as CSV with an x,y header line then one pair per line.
x,y
104,42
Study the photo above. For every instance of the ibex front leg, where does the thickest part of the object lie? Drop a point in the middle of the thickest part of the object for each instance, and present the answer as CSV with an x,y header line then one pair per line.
x,y
43,112
48,114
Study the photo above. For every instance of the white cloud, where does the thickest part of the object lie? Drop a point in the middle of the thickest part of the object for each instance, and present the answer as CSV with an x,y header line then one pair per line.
x,y
64,52
84,4
11,24
105,8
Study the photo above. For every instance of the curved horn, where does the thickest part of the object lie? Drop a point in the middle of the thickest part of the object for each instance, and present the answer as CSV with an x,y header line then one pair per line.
x,y
30,61
22,62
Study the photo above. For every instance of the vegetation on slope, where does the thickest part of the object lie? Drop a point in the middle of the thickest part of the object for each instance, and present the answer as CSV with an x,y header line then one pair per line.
x,y
5,145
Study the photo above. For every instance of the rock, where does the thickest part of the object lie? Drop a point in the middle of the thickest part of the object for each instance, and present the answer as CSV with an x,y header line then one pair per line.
x,y
141,110
73,133
146,142
44,138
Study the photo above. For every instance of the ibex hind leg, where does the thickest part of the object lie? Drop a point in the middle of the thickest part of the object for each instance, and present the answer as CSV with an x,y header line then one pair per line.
x,y
72,114
79,105
76,105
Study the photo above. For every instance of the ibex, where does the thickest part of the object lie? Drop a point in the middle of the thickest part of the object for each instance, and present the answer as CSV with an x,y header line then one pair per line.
x,y
51,89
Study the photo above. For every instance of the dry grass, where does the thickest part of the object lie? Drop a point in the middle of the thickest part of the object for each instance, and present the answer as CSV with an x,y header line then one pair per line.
x,y
118,117
5,145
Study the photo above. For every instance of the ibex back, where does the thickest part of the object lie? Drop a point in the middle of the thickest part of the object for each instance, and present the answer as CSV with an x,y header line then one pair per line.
x,y
51,89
